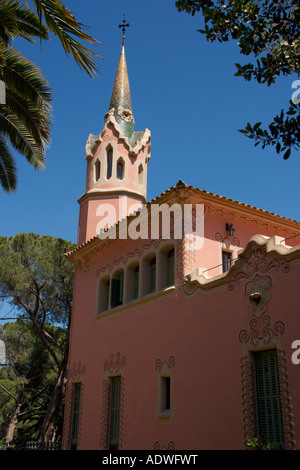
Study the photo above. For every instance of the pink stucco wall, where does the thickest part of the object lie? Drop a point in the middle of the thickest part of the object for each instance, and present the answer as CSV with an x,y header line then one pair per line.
x,y
200,330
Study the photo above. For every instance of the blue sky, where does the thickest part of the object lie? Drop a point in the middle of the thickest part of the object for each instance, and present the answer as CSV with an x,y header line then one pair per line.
x,y
183,90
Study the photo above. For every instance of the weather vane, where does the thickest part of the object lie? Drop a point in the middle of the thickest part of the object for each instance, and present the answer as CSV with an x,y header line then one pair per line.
x,y
123,26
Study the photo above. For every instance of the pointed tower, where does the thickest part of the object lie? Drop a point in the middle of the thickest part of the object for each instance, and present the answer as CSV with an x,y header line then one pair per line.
x,y
117,163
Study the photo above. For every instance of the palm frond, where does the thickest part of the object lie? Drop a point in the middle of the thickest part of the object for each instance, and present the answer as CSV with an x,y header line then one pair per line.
x,y
63,24
16,20
28,96
8,171
25,118
22,140
34,118
24,78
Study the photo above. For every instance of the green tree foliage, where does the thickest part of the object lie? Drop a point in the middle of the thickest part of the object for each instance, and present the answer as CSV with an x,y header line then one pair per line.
x,y
36,278
26,114
260,443
37,281
269,32
26,385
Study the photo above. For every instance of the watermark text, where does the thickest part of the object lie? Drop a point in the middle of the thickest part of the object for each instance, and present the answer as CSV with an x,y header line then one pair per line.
x,y
161,221
295,99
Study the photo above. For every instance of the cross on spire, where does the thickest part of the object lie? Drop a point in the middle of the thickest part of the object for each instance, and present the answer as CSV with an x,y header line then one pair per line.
x,y
123,26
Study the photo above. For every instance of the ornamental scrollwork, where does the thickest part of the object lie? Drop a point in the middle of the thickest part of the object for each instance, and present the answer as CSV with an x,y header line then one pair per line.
x,y
270,332
76,371
159,364
169,446
113,366
258,262
235,241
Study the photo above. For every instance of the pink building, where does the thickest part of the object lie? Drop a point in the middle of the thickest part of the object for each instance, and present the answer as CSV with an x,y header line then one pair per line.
x,y
183,337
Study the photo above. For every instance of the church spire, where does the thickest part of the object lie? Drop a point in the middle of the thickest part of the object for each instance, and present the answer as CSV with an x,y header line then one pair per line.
x,y
120,102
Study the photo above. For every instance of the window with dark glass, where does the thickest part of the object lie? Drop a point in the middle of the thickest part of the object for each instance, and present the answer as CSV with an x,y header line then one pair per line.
x,y
170,267
109,163
120,170
136,282
75,415
140,174
103,294
116,290
268,397
114,422
97,170
226,260
167,392
152,275
107,295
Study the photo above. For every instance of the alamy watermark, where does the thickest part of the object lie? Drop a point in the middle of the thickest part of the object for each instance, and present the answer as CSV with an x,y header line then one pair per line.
x,y
295,99
159,221
296,354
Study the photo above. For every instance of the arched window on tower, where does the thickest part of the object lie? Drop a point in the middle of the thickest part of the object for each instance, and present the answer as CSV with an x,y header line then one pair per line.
x,y
109,162
97,170
140,174
120,169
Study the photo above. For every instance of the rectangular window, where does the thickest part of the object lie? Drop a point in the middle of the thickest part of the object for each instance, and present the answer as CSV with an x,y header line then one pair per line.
x,y
117,291
106,294
103,295
165,394
75,416
136,282
226,260
152,274
170,268
268,397
114,413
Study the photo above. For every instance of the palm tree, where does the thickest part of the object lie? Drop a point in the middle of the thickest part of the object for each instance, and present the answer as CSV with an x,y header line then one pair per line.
x,y
25,117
